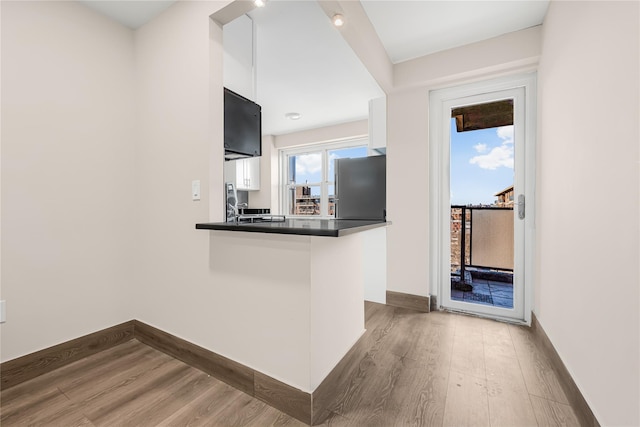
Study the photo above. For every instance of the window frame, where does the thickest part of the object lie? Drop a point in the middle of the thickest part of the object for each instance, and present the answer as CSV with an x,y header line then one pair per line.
x,y
323,148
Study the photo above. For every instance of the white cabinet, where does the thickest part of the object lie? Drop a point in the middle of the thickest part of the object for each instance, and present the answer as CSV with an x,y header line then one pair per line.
x,y
378,125
251,173
243,173
238,62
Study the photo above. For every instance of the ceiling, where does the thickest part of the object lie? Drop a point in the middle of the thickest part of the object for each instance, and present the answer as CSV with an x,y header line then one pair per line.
x,y
410,29
304,65
130,13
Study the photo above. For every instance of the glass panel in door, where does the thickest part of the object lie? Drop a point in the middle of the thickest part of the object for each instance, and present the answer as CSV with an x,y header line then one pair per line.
x,y
481,227
485,158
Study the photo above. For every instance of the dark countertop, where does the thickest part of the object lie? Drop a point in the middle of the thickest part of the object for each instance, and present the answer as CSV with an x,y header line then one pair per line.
x,y
299,226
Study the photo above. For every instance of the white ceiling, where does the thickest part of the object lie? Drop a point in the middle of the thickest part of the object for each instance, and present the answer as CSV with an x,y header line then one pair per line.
x,y
130,13
303,64
410,29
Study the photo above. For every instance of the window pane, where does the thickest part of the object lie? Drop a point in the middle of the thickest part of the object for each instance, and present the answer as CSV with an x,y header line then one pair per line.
x,y
309,187
343,153
304,200
305,168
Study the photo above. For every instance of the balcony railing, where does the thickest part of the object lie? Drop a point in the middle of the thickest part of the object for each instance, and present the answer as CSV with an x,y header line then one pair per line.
x,y
481,238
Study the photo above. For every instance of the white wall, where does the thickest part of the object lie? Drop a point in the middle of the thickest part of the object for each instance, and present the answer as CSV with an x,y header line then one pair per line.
x,y
506,53
179,91
408,192
260,310
336,301
339,132
408,143
68,182
374,262
587,287
3,309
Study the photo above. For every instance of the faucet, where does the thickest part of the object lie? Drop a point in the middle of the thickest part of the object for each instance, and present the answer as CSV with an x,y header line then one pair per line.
x,y
236,215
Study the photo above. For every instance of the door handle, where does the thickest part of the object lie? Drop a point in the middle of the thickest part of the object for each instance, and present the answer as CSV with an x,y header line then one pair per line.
x,y
521,206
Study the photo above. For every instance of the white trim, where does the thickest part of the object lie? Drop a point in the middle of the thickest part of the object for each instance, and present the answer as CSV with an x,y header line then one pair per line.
x,y
359,141
439,167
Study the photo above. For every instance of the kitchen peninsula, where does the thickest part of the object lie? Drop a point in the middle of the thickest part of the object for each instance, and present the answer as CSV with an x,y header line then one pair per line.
x,y
302,227
294,293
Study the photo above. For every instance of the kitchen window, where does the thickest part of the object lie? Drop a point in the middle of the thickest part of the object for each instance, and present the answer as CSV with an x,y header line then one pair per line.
x,y
307,177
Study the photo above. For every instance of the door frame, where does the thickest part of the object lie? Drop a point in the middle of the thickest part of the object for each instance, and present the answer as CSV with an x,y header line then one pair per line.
x,y
439,187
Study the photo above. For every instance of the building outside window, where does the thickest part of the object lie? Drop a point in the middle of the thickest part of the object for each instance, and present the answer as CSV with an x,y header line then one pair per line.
x,y
307,176
505,197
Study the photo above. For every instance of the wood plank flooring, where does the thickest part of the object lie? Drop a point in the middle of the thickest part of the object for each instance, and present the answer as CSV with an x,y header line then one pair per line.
x,y
419,369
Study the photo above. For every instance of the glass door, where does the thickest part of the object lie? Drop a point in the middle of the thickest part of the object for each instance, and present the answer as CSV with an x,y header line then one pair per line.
x,y
481,177
481,186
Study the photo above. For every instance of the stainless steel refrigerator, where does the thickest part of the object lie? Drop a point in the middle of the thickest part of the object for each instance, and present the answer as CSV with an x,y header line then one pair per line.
x,y
361,188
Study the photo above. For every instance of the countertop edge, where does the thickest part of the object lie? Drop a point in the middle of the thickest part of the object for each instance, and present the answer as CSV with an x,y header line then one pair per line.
x,y
256,228
360,229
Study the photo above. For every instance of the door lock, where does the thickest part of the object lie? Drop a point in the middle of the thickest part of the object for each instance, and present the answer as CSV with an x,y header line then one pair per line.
x,y
521,206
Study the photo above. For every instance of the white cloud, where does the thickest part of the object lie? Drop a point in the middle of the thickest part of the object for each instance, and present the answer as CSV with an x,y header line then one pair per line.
x,y
481,148
505,133
497,157
500,156
308,163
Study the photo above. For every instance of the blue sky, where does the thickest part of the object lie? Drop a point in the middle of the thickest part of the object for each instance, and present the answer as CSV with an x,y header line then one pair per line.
x,y
309,166
481,164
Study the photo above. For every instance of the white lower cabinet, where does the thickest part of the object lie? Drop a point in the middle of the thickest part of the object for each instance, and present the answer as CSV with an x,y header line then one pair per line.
x,y
243,173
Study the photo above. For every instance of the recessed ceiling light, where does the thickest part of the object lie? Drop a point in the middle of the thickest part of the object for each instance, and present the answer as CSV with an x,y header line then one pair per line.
x,y
293,116
259,3
338,20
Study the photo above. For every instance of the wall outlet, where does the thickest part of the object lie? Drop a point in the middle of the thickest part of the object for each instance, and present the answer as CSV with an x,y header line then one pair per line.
x,y
3,311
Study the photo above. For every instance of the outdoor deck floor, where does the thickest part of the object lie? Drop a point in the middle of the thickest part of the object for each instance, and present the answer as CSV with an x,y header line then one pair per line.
x,y
486,292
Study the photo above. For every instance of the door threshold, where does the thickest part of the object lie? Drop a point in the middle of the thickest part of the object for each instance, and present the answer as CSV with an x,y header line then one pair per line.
x,y
485,316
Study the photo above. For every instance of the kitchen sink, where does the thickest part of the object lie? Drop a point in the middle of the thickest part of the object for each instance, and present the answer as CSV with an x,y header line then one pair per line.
x,y
255,218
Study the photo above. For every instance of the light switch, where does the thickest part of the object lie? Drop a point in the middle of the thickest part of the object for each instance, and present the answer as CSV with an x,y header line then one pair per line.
x,y
195,190
3,311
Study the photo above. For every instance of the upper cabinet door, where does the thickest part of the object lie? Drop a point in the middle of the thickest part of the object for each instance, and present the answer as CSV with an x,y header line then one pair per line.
x,y
251,171
244,174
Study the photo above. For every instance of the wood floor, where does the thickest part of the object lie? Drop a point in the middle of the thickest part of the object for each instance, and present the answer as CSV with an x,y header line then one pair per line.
x,y
426,369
